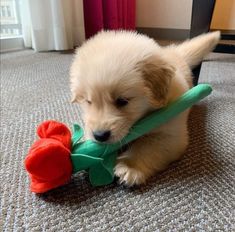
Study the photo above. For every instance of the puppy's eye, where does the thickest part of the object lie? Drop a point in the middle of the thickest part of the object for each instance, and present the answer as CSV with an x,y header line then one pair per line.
x,y
120,102
89,102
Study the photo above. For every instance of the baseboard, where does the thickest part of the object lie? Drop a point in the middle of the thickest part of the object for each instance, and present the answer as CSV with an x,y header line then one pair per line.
x,y
11,44
165,33
225,48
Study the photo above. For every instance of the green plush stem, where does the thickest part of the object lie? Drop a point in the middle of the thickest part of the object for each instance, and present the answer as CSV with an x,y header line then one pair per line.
x,y
160,117
92,149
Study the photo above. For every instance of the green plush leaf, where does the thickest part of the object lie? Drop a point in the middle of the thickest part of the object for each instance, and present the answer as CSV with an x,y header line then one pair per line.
x,y
99,175
77,134
83,162
102,173
109,161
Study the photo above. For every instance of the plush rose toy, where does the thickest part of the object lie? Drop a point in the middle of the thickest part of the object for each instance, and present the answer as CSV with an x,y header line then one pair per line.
x,y
57,154
48,161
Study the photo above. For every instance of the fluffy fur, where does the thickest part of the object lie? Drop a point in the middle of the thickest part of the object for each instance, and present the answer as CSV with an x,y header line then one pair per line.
x,y
133,67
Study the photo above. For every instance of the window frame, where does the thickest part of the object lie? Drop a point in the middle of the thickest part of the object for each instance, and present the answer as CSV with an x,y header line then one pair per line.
x,y
12,43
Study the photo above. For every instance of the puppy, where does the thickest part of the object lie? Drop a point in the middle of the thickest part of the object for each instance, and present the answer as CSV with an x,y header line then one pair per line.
x,y
119,77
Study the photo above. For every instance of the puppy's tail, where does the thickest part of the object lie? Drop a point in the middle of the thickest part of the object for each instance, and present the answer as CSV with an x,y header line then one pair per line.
x,y
194,50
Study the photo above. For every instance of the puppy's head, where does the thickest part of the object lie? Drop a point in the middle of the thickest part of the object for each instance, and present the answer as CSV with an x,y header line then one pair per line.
x,y
117,88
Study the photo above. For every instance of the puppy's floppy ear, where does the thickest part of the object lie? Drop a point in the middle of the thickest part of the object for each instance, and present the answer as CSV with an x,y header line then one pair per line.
x,y
75,87
76,90
76,96
157,75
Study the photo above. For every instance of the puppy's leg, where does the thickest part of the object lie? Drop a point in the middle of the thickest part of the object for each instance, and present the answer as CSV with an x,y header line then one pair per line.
x,y
152,153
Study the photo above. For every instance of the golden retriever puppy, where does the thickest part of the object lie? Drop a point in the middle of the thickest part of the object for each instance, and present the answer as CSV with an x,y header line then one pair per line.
x,y
118,77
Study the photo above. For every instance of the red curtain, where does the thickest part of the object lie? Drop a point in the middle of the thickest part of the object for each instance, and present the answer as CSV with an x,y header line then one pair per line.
x,y
108,14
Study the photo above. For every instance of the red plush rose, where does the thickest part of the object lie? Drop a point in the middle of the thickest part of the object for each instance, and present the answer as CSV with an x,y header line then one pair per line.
x,y
55,130
48,161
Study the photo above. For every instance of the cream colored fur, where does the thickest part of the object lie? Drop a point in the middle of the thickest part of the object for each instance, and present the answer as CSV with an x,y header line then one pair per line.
x,y
134,67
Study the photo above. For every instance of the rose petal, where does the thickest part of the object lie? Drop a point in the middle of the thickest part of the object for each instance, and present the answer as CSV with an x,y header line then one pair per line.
x,y
49,165
38,186
55,130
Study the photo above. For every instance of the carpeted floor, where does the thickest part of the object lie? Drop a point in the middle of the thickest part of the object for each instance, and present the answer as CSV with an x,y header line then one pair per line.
x,y
194,194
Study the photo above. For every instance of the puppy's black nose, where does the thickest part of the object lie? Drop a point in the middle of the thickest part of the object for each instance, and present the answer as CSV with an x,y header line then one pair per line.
x,y
102,136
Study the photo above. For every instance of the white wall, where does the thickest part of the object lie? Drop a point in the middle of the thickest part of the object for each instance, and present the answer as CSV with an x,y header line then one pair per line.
x,y
174,14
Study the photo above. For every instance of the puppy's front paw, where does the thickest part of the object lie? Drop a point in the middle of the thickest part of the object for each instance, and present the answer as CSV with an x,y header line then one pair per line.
x,y
128,175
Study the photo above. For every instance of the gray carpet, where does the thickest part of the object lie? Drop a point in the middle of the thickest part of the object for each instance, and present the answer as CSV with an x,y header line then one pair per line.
x,y
194,194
